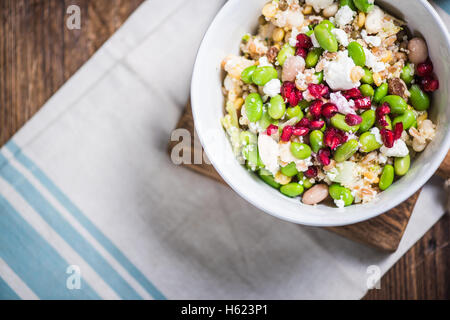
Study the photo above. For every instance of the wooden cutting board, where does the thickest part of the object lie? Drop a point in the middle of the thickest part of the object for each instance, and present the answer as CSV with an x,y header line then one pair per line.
x,y
383,232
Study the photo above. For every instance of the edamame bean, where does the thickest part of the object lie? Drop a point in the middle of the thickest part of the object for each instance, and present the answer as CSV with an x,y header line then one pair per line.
x,y
294,112
397,104
325,38
266,120
328,24
380,92
366,90
292,189
363,5
346,150
406,118
367,77
285,52
304,181
253,107
250,153
290,170
419,99
247,74
313,57
262,75
387,177
356,52
338,192
338,121
247,137
368,120
319,76
277,107
368,142
300,150
407,74
401,165
316,140
268,178
347,3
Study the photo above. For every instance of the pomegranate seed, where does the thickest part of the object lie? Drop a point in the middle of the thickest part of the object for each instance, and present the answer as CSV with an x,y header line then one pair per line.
x,y
318,90
334,137
303,41
299,95
324,156
286,134
381,112
304,122
317,124
425,68
363,103
329,110
429,84
300,131
271,129
388,137
302,52
353,119
352,94
398,130
311,172
316,108
290,93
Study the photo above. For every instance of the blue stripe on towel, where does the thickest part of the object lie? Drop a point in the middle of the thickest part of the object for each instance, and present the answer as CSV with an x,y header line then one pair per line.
x,y
83,220
6,293
65,230
37,263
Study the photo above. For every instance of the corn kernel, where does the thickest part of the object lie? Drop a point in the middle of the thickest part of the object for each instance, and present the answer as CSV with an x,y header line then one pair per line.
x,y
269,10
307,10
238,103
282,179
377,79
278,34
361,19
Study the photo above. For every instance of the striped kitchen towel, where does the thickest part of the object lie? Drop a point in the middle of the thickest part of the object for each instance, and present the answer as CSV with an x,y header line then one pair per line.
x,y
91,207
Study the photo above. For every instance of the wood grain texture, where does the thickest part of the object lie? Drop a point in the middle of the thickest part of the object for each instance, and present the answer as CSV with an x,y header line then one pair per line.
x,y
38,54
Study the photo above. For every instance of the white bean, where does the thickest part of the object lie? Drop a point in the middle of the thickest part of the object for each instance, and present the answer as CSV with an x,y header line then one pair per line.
x,y
418,51
291,67
330,11
316,194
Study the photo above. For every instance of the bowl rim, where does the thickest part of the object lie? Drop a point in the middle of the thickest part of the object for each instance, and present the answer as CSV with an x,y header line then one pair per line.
x,y
418,182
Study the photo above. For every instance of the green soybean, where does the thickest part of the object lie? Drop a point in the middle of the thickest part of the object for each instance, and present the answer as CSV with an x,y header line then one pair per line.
x,y
363,5
368,120
292,189
277,107
325,38
419,99
285,52
266,120
268,178
338,121
294,112
407,74
316,140
250,153
366,90
401,165
247,74
397,104
356,52
347,3
313,57
338,192
380,92
262,75
247,137
319,76
368,142
346,150
408,118
330,26
304,180
290,170
300,150
367,77
387,177
253,107
310,32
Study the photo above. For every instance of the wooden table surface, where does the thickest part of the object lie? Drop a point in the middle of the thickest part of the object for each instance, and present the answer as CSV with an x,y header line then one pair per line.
x,y
38,54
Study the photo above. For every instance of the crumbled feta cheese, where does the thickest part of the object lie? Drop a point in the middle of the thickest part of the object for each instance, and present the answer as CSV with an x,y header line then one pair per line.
x,y
314,41
374,41
293,37
337,72
344,16
264,62
374,20
382,158
255,127
372,62
268,152
339,203
344,106
398,150
272,88
319,4
376,132
341,36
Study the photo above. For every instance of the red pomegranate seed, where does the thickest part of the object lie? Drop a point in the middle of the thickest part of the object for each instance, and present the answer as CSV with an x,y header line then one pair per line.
x,y
352,94
324,156
425,68
304,122
290,93
329,110
302,52
311,172
363,103
317,124
303,41
388,137
352,119
398,130
286,134
300,131
334,137
429,84
316,109
271,129
381,112
318,90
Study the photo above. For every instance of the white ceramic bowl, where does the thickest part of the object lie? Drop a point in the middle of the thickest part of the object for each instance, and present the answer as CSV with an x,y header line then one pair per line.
x,y
223,37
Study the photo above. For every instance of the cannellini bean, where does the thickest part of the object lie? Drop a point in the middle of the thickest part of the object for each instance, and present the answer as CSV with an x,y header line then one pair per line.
x,y
330,11
316,194
291,67
418,51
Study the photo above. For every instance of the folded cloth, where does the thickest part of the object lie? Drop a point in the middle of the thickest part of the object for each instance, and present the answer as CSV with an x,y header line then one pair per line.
x,y
91,207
